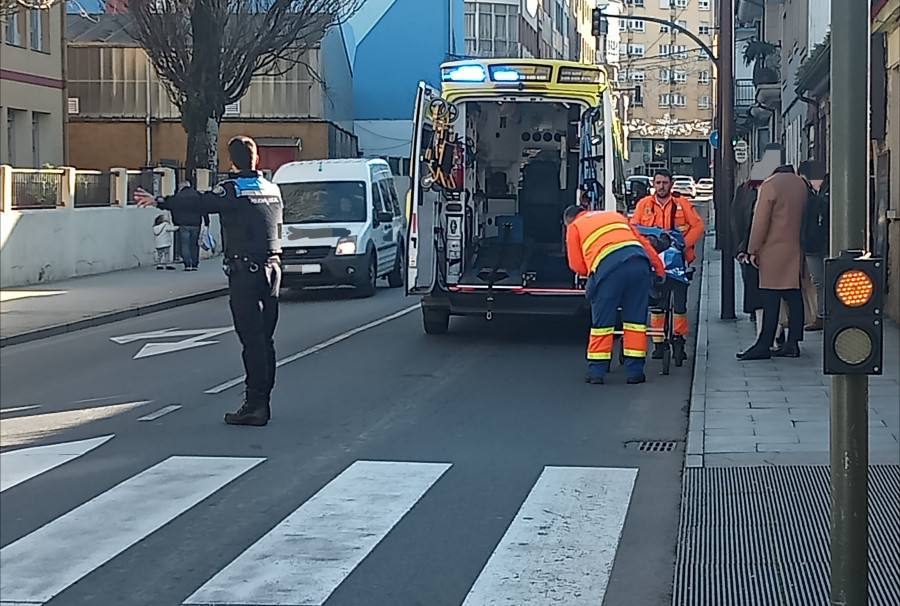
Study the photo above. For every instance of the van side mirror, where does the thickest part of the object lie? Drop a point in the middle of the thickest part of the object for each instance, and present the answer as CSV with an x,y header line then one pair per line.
x,y
384,217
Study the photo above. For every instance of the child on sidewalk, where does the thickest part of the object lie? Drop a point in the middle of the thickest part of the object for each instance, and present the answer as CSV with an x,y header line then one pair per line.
x,y
162,232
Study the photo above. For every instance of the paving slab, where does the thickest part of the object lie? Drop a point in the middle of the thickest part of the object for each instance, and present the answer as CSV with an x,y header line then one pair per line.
x,y
773,412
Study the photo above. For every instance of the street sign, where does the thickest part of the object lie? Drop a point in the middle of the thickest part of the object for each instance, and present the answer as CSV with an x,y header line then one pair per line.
x,y
741,152
714,138
195,339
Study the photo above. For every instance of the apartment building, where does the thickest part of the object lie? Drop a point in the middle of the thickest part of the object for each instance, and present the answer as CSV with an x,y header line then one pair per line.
x,y
519,28
670,78
32,87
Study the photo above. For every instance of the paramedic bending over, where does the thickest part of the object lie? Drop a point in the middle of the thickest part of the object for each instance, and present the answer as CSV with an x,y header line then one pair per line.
x,y
667,210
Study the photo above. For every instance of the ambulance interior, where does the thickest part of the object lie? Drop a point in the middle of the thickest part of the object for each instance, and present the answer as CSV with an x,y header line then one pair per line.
x,y
524,175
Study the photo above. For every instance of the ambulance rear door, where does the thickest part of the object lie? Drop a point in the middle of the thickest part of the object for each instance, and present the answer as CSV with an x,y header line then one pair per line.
x,y
422,203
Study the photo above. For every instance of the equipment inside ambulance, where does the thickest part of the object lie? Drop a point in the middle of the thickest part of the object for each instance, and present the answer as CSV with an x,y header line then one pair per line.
x,y
498,155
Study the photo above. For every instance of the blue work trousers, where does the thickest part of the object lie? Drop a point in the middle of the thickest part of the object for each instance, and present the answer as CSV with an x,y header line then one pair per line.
x,y
626,286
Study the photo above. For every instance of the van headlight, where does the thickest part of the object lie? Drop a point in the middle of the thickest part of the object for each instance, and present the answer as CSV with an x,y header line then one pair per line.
x,y
346,246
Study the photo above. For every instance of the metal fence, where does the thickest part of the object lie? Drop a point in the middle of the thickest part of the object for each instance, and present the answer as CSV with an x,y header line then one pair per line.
x,y
145,179
92,188
37,188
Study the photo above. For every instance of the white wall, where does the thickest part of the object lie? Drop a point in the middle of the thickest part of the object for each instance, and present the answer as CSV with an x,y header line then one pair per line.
x,y
54,244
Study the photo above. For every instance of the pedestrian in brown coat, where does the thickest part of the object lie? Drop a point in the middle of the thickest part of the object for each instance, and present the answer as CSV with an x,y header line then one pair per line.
x,y
774,248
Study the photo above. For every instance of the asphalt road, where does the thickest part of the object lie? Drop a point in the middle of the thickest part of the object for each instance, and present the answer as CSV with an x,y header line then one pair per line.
x,y
469,427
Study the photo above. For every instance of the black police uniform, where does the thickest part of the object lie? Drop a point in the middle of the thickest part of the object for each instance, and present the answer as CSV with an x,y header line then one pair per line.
x,y
250,208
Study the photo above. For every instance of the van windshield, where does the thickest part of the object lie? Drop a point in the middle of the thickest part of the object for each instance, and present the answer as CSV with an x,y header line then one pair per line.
x,y
324,202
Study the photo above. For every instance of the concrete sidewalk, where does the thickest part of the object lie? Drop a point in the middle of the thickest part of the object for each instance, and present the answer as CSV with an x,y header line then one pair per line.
x,y
773,412
44,310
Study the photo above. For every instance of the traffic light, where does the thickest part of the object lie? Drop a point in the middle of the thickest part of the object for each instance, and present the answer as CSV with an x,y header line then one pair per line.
x,y
596,22
853,323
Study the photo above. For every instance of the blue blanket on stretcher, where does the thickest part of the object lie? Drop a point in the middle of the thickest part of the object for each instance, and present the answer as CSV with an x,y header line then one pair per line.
x,y
672,255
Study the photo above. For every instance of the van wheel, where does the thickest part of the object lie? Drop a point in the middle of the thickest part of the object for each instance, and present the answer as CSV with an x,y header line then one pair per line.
x,y
395,278
367,289
435,321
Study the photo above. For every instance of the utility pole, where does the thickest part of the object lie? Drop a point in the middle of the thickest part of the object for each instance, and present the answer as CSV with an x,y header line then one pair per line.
x,y
849,393
724,182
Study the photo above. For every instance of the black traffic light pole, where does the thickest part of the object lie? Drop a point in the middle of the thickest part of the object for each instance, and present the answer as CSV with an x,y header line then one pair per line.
x,y
723,183
849,393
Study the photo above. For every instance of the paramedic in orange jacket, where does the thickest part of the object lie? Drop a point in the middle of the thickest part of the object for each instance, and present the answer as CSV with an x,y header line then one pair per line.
x,y
619,264
666,210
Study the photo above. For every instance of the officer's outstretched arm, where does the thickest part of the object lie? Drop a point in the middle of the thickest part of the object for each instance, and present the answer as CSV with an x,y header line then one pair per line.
x,y
220,199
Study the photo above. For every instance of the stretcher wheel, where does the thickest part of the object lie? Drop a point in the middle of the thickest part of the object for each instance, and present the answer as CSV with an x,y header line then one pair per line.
x,y
666,359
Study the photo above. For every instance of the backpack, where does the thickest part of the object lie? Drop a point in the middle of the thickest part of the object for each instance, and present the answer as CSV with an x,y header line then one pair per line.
x,y
814,225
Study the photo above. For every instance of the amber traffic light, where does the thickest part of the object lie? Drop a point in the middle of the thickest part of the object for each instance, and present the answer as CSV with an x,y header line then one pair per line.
x,y
853,323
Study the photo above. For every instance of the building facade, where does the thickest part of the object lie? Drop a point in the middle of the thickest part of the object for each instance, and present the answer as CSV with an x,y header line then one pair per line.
x,y
385,78
120,115
670,78
527,28
33,87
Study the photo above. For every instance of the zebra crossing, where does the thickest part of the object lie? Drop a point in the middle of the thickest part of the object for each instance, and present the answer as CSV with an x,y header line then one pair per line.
x,y
558,548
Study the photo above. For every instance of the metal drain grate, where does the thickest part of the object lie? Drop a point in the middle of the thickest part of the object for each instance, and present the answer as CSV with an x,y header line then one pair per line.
x,y
759,535
657,446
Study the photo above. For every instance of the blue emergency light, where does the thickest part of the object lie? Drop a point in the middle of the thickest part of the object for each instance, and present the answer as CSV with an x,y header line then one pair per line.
x,y
465,73
505,75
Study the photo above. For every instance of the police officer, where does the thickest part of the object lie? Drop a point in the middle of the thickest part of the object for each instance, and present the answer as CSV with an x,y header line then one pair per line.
x,y
251,211
618,263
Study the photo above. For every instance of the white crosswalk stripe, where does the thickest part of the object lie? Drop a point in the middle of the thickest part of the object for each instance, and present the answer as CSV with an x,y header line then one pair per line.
x,y
44,563
310,553
558,549
17,466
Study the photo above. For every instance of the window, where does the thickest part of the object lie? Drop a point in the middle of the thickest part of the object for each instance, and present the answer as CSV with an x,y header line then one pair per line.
x,y
703,102
702,54
703,28
680,76
637,75
663,29
325,201
636,25
636,2
678,100
664,50
36,139
492,31
682,23
681,3
680,51
635,50
664,100
11,135
703,77
15,23
703,5
40,29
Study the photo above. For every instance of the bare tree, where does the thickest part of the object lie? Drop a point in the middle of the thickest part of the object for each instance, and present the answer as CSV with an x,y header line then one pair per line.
x,y
207,52
9,7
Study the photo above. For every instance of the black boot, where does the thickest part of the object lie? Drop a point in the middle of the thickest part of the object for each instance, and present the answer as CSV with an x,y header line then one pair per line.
x,y
254,411
678,352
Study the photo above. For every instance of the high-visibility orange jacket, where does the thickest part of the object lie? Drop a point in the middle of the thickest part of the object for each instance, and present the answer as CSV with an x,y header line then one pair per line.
x,y
650,213
599,240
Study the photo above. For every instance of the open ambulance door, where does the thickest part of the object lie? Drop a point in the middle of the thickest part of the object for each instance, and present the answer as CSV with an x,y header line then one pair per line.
x,y
421,267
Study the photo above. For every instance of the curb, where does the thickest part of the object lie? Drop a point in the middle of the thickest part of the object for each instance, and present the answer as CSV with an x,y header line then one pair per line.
x,y
694,449
109,318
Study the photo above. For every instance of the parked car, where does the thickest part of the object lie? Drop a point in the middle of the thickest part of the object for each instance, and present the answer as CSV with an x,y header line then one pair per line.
x,y
685,186
343,224
705,188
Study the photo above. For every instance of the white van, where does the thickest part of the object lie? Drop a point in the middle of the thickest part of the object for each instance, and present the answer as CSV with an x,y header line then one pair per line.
x,y
343,224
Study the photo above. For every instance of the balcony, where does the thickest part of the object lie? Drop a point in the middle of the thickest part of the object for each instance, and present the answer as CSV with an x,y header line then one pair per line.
x,y
744,94
766,59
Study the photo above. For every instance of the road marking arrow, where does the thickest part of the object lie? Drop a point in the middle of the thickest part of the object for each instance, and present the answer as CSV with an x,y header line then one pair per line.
x,y
197,339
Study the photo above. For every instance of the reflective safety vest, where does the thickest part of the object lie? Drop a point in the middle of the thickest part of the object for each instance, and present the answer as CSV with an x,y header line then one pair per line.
x,y
595,237
677,213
